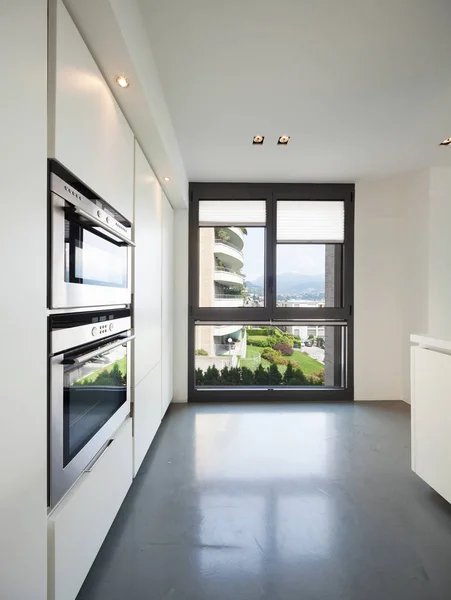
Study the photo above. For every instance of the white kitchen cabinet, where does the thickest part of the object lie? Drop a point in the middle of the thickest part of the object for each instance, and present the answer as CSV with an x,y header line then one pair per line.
x,y
167,342
79,524
431,415
147,268
146,414
88,133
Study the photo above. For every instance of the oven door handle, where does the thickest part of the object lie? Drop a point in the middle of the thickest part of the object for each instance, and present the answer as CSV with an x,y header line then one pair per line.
x,y
79,211
78,360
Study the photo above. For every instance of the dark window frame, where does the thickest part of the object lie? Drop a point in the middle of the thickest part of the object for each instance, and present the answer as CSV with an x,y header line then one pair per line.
x,y
271,193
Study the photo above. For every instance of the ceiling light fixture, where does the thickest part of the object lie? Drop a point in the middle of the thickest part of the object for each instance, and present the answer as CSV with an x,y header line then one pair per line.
x,y
167,179
283,140
122,81
446,142
258,140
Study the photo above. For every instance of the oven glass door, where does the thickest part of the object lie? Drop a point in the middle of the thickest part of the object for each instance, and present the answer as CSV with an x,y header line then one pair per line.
x,y
94,391
92,258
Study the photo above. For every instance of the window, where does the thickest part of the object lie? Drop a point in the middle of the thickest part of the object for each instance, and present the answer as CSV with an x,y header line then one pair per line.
x,y
232,239
310,237
278,258
242,355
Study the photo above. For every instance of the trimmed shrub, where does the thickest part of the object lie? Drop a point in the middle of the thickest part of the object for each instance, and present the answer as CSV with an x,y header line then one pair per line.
x,y
297,343
317,378
201,352
273,356
284,349
263,343
261,331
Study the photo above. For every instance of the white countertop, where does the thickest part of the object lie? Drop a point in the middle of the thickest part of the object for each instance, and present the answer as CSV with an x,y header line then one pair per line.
x,y
427,340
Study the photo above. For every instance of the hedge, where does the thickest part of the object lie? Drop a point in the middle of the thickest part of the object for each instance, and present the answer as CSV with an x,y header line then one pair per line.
x,y
261,331
236,376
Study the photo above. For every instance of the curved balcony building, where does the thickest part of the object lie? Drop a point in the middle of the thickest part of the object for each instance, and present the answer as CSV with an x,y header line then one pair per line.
x,y
221,285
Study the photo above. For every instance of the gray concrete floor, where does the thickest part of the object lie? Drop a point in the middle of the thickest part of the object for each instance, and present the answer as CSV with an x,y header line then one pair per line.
x,y
280,502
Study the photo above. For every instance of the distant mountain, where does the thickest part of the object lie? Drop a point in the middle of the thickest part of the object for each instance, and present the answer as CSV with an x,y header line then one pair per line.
x,y
292,283
253,288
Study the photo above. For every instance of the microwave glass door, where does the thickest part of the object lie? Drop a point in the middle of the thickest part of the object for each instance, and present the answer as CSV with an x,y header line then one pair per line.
x,y
93,391
91,258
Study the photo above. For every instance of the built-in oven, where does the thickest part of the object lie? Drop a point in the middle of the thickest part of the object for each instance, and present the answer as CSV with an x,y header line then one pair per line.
x,y
90,247
89,390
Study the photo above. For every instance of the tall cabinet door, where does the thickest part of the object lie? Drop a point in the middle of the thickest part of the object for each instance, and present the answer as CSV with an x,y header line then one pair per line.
x,y
147,307
167,342
88,133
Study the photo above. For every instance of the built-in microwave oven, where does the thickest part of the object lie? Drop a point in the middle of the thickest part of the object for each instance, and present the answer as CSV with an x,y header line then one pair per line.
x,y
90,249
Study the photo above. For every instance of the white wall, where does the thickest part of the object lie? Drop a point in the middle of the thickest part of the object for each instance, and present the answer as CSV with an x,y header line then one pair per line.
x,y
181,306
167,307
378,328
23,398
415,264
402,285
439,297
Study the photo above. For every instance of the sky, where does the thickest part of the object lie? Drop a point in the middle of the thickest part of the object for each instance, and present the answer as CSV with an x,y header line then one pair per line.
x,y
303,259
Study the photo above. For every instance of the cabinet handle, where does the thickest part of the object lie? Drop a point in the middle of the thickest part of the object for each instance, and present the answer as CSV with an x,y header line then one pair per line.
x,y
96,458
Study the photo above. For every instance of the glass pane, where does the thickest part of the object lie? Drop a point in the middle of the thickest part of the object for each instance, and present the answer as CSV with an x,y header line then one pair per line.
x,y
93,392
231,266
92,260
309,275
301,355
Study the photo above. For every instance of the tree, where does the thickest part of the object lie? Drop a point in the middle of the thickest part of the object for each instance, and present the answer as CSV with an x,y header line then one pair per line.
x,y
212,376
225,375
247,376
261,376
274,375
289,374
235,376
199,377
320,342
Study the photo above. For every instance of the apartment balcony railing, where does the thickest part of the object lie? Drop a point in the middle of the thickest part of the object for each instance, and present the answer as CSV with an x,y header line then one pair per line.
x,y
226,243
229,255
227,296
228,276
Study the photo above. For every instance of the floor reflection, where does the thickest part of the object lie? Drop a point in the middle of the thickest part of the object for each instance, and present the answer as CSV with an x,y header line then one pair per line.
x,y
247,446
278,502
260,498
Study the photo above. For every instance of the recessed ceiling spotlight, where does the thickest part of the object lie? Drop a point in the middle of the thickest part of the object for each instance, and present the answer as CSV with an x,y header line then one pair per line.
x,y
167,178
122,81
283,140
446,142
258,140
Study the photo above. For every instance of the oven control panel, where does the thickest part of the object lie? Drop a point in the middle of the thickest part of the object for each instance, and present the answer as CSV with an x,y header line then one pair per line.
x,y
103,330
75,329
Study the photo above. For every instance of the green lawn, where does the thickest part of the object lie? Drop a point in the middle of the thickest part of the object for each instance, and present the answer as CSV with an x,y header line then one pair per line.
x,y
253,358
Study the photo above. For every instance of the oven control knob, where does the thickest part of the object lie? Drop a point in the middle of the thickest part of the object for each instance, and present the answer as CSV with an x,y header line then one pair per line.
x,y
99,213
108,219
94,331
111,326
